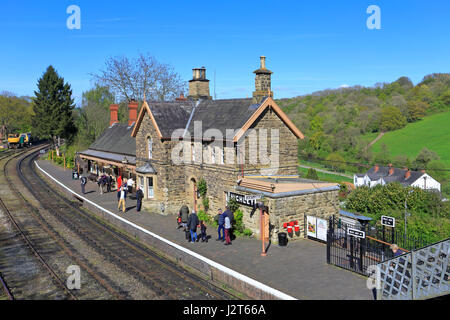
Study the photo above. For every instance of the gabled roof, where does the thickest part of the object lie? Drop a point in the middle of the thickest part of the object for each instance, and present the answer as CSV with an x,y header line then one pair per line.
x,y
235,114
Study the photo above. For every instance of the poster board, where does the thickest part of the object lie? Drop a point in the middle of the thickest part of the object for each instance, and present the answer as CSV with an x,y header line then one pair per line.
x,y
311,226
321,229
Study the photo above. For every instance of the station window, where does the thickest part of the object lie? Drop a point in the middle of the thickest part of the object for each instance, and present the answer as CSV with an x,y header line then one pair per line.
x,y
150,191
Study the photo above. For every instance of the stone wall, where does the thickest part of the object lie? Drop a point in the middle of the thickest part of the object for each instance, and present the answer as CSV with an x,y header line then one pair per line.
x,y
321,204
285,163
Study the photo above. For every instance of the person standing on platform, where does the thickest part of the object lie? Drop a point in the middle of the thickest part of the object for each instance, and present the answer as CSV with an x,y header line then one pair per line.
x,y
130,183
227,226
221,222
192,225
123,196
119,182
139,197
203,231
83,184
119,185
184,216
108,183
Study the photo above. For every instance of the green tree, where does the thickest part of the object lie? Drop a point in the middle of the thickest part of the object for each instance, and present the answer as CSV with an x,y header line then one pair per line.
x,y
336,161
424,157
15,113
53,107
416,110
93,116
312,174
392,119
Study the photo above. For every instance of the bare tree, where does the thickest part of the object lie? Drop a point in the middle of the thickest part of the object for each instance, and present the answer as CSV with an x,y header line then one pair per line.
x,y
131,79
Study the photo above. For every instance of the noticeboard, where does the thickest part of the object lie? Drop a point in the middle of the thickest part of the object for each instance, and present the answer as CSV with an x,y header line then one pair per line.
x,y
388,221
311,226
356,233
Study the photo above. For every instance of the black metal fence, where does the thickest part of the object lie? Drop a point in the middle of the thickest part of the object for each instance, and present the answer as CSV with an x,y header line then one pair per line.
x,y
356,254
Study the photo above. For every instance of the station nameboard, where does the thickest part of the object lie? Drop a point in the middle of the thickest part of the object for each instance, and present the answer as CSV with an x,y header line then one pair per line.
x,y
356,233
242,199
388,221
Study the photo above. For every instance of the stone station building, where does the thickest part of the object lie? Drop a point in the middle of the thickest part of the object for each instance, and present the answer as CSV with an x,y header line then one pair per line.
x,y
239,147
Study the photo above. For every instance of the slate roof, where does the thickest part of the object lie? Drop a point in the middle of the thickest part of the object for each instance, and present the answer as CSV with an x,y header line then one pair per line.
x,y
146,168
353,215
218,114
397,176
109,156
171,115
114,144
116,139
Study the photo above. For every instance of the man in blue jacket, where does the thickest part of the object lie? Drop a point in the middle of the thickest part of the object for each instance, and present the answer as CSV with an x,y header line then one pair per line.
x,y
221,222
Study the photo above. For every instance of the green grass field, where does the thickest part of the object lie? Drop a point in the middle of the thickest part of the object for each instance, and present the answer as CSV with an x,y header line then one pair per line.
x,y
432,132
326,176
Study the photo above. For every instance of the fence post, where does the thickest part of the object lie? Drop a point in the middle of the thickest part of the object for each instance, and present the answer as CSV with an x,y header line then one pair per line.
x,y
413,276
351,252
328,246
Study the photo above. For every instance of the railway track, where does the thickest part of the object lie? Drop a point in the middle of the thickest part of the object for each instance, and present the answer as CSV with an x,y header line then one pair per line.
x,y
138,268
24,249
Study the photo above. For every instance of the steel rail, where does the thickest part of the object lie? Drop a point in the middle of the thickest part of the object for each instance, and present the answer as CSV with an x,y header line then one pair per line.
x,y
25,237
130,243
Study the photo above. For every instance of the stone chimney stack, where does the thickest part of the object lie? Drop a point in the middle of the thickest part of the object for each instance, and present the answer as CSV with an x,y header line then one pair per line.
x,y
376,168
199,85
114,109
132,112
263,82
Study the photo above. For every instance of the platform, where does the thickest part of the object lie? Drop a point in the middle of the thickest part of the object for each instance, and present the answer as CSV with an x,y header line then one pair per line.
x,y
298,270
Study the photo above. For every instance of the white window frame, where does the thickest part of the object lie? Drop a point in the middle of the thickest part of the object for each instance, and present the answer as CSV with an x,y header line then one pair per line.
x,y
150,194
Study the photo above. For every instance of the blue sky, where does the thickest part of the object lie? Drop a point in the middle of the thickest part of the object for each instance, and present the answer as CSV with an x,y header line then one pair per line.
x,y
309,45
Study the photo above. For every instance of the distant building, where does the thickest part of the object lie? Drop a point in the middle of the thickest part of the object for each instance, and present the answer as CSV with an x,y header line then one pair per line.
x,y
383,175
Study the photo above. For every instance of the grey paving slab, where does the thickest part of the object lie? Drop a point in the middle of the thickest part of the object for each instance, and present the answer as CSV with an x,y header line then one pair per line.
x,y
299,269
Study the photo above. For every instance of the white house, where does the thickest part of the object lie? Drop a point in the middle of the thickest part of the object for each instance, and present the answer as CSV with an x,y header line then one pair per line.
x,y
383,175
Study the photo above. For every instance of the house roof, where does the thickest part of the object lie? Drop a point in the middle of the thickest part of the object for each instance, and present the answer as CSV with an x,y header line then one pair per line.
x,y
235,114
108,156
353,215
115,144
397,176
116,139
146,168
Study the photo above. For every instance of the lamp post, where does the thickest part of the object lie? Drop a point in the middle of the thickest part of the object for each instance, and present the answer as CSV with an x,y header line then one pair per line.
x,y
262,227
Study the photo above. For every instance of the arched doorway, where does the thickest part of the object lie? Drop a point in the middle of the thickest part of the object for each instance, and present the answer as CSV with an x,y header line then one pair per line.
x,y
193,193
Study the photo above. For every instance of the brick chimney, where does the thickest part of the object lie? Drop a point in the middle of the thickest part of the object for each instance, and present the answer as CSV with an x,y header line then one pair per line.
x,y
132,112
263,81
391,169
199,85
181,97
407,174
376,168
114,108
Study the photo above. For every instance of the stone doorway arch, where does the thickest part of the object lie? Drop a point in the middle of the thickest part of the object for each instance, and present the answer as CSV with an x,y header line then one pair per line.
x,y
192,193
